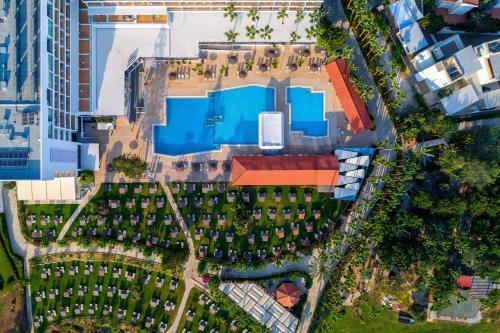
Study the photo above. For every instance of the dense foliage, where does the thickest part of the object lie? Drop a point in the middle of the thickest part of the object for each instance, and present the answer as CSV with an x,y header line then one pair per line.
x,y
132,166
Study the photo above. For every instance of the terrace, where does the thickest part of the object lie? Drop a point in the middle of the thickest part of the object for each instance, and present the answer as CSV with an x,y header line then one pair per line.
x,y
60,296
254,223
286,66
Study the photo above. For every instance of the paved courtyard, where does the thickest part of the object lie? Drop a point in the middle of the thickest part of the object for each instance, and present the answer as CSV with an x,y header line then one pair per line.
x,y
137,137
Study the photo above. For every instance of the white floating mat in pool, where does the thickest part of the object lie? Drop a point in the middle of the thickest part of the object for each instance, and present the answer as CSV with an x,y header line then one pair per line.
x,y
271,130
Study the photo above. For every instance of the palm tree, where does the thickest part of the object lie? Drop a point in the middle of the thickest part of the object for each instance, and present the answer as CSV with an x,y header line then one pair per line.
x,y
311,33
282,15
265,33
316,16
230,11
294,37
299,15
231,36
253,14
422,153
251,32
321,266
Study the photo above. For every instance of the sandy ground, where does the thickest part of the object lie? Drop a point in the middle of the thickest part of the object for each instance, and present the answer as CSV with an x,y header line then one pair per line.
x,y
13,311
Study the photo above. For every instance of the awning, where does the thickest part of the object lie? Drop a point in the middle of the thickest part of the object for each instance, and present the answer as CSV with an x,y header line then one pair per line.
x,y
58,189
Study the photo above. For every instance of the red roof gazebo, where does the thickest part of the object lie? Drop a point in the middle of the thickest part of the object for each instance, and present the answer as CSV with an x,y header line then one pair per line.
x,y
288,294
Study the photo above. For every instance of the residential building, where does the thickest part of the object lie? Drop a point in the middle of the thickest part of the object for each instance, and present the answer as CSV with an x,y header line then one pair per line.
x,y
405,15
38,107
453,11
459,78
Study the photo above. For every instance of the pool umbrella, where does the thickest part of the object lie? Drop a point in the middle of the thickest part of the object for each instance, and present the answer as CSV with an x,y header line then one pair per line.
x,y
287,294
306,53
208,74
242,74
172,75
271,53
263,67
314,67
232,59
292,67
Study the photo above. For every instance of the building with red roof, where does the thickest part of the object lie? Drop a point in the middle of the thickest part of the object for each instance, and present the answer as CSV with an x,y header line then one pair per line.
x,y
453,11
314,170
352,104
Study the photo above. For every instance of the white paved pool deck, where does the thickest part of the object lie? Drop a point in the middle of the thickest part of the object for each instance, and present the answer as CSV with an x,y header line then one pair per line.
x,y
138,137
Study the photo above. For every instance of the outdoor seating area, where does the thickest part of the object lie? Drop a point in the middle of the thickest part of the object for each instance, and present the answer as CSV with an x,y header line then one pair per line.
x,y
133,214
42,223
101,289
202,314
254,223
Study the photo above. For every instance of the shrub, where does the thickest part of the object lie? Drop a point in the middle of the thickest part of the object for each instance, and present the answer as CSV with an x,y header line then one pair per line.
x,y
86,177
132,166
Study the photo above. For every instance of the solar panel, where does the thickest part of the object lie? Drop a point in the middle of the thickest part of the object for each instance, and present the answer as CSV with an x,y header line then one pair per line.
x,y
14,158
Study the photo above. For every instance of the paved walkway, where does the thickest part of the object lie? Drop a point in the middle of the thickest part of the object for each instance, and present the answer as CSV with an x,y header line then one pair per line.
x,y
77,211
301,265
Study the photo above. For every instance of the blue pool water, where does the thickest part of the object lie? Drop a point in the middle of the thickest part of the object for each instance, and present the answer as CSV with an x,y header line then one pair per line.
x,y
224,117
307,111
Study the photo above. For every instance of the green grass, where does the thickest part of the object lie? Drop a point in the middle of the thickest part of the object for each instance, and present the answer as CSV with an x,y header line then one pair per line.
x,y
99,206
38,211
216,321
330,209
386,321
11,269
138,300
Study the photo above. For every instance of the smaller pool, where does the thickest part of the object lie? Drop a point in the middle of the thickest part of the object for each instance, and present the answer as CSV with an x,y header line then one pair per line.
x,y
307,113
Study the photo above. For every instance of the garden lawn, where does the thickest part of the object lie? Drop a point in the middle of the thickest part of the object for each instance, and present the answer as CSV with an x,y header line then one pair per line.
x,y
215,321
99,207
44,210
329,211
138,299
386,321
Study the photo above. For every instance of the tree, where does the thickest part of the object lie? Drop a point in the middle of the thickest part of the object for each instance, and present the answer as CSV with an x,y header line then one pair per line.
x,y
422,200
251,32
479,174
231,36
86,177
451,162
282,15
294,37
265,32
321,266
253,14
299,15
132,166
230,12
432,22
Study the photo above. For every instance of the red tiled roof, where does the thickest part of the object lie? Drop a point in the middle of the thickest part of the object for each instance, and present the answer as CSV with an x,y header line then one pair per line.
x,y
285,170
354,108
464,281
288,294
451,18
495,13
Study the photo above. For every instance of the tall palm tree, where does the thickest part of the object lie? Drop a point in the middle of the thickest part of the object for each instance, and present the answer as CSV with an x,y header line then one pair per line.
x,y
299,15
251,32
265,33
282,15
230,11
231,36
253,14
294,37
421,152
321,266
311,32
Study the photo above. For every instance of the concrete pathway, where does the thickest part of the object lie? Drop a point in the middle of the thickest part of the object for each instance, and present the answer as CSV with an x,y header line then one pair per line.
x,y
301,265
77,211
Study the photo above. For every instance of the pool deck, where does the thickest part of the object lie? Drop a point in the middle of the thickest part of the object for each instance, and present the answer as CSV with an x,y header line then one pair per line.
x,y
138,137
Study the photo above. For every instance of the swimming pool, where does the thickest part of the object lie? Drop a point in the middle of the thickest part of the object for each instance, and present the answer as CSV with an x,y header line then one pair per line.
x,y
307,111
223,117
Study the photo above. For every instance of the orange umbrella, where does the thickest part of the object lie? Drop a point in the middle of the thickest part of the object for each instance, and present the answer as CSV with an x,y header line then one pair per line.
x,y
288,294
